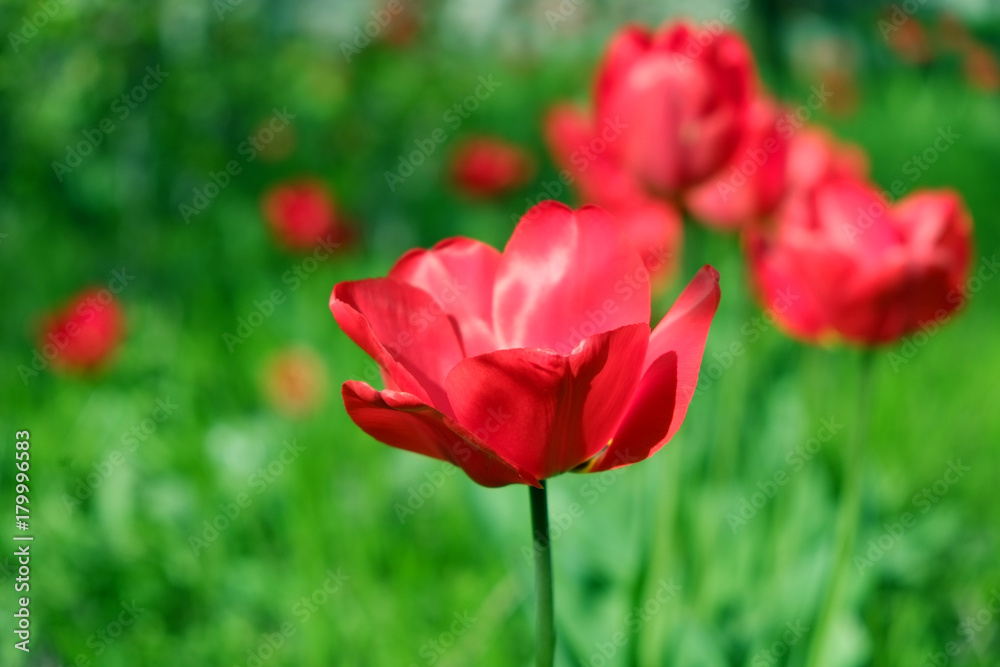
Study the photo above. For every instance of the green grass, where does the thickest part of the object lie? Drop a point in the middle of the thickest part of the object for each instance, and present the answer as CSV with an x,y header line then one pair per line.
x,y
664,525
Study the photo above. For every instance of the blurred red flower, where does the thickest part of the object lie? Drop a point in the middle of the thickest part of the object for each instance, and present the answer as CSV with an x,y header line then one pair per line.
x,y
83,334
653,226
981,68
909,41
522,365
489,167
680,96
302,213
294,381
839,262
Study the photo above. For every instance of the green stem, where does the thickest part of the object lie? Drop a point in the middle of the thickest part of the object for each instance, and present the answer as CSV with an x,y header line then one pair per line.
x,y
543,576
849,516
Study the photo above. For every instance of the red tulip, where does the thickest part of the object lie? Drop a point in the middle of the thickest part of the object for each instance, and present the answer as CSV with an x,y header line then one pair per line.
x,y
840,263
909,40
302,214
489,167
522,365
680,97
753,181
83,334
981,68
654,227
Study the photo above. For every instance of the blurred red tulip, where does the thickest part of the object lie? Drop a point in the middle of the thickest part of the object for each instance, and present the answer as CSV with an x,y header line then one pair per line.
x,y
302,213
679,98
489,167
981,69
654,227
752,183
840,263
909,41
522,365
294,382
83,334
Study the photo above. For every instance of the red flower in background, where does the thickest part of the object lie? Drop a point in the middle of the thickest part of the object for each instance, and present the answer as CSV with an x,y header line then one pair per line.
x,y
909,40
653,226
681,100
83,334
981,68
303,213
838,262
522,365
489,167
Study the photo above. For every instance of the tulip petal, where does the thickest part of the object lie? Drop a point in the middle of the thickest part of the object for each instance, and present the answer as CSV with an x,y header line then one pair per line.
x,y
566,275
403,421
397,325
459,274
545,412
670,375
646,426
627,47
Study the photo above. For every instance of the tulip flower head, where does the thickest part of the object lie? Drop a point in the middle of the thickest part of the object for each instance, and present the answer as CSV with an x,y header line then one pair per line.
x,y
521,365
840,263
681,98
302,214
486,167
82,336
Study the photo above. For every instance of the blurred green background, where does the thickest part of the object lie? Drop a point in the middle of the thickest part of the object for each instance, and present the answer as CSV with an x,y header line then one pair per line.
x,y
323,566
